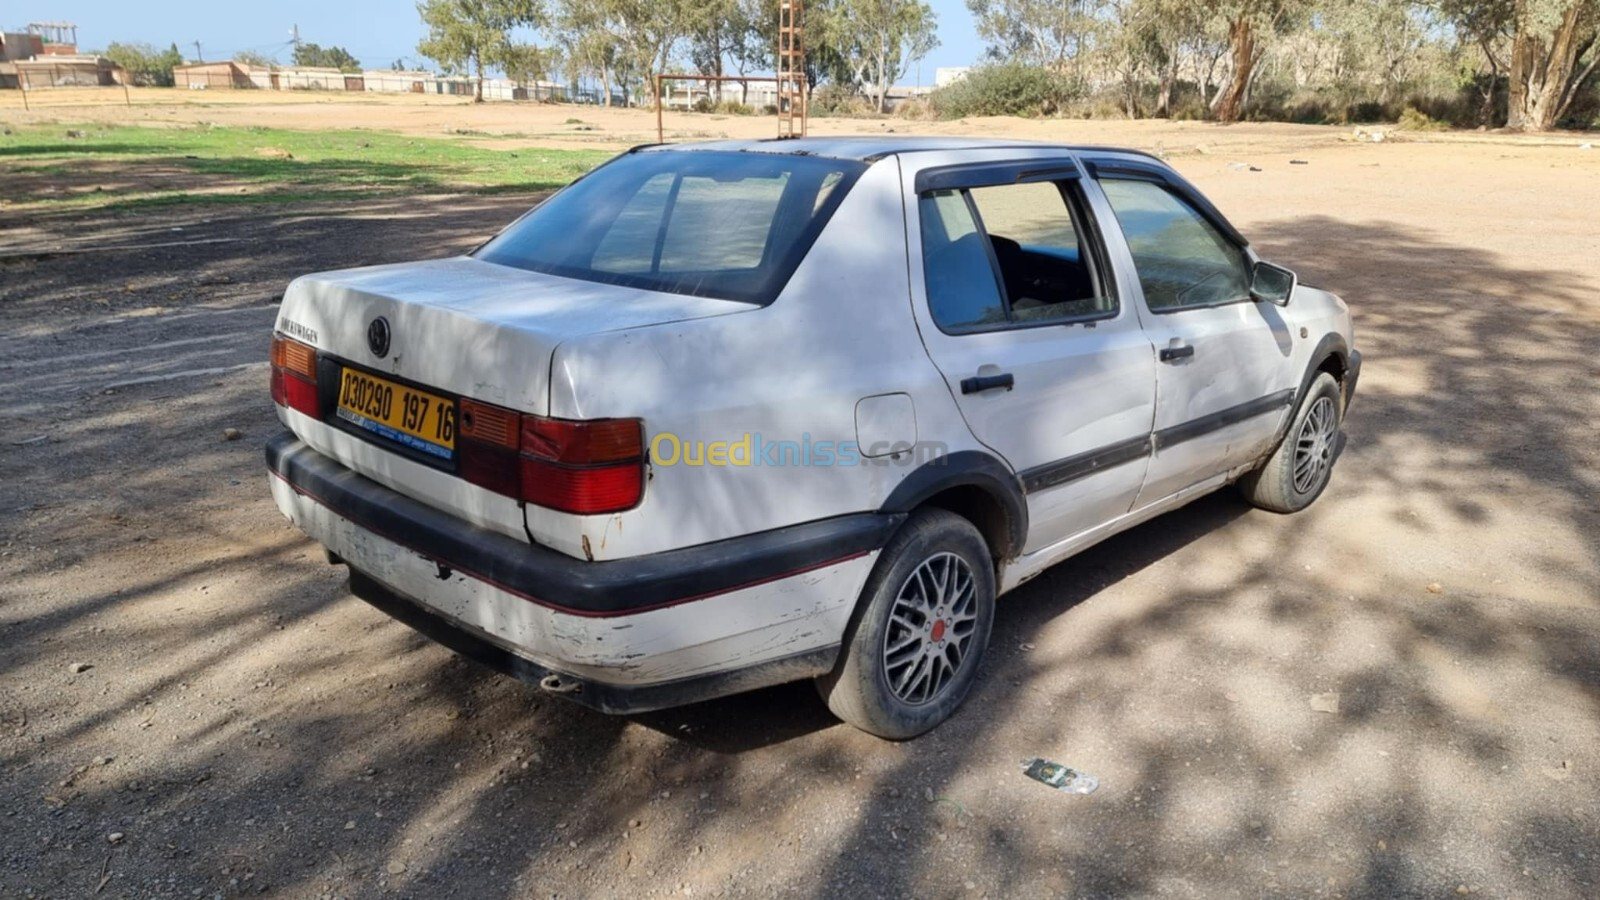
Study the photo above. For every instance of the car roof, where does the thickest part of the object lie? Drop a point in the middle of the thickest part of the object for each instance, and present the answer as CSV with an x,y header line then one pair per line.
x,y
870,148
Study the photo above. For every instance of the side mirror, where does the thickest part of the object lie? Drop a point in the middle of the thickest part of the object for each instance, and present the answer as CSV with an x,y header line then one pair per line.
x,y
1272,284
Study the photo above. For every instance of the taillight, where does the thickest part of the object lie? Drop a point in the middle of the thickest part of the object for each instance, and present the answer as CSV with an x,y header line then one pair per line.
x,y
580,467
583,443
488,447
584,490
294,376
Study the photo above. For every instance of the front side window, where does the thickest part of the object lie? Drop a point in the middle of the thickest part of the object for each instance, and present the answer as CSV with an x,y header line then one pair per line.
x,y
713,224
1182,259
1007,255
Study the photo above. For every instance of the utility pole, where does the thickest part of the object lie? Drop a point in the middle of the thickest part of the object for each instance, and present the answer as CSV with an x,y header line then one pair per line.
x,y
198,55
294,38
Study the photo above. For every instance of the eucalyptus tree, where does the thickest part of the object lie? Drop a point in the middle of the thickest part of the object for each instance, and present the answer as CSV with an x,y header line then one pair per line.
x,y
1553,56
876,40
1051,33
628,38
473,35
1548,50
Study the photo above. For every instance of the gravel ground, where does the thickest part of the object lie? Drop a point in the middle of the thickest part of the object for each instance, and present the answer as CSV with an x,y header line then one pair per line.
x,y
1394,694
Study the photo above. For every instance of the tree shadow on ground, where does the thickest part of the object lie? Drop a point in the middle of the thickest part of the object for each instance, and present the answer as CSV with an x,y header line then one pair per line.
x,y
1174,661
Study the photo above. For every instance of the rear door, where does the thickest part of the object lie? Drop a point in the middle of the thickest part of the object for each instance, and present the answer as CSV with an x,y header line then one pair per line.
x,y
1223,378
1049,369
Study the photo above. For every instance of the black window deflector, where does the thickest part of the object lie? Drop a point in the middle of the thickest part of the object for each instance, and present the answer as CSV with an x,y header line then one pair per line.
x,y
1135,170
970,175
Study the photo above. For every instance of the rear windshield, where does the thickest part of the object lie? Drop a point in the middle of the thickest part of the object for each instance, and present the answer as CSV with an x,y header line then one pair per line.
x,y
715,224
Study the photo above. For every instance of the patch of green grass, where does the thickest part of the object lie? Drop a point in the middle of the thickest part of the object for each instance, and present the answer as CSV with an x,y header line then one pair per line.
x,y
43,165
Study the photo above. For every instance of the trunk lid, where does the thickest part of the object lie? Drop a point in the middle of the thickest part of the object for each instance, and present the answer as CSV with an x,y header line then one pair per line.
x,y
471,328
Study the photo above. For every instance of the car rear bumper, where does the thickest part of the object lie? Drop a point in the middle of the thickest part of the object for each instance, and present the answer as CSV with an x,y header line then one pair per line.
x,y
622,636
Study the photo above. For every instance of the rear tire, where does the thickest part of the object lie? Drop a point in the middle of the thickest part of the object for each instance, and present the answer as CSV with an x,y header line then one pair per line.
x,y
1295,475
917,638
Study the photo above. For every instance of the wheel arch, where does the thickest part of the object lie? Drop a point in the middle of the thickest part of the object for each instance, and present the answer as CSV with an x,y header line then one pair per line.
x,y
976,486
1332,355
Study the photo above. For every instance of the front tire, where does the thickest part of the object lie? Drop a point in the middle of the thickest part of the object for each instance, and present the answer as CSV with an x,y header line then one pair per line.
x,y
914,646
1298,471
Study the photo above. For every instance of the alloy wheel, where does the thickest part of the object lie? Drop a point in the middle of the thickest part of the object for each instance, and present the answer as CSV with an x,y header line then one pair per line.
x,y
930,628
1313,450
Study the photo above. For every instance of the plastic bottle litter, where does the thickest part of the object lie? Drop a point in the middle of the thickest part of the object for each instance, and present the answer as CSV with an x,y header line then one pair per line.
x,y
1060,777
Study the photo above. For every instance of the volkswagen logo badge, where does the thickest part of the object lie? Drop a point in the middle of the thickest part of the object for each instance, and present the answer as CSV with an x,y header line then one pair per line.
x,y
378,337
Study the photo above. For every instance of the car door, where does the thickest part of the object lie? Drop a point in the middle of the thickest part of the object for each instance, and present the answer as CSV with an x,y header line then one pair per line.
x,y
1223,380
1049,369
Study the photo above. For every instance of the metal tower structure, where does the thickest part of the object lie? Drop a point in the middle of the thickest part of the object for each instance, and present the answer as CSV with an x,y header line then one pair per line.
x,y
791,69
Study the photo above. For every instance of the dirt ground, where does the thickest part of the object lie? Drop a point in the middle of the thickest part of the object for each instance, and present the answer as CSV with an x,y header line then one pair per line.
x,y
1394,694
565,125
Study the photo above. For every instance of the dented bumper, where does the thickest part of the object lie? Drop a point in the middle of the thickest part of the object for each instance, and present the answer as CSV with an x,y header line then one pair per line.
x,y
621,636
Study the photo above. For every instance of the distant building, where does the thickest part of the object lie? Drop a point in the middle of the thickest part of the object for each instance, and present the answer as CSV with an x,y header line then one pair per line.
x,y
55,38
685,92
945,76
461,86
233,75
315,78
63,70
46,55
215,75
397,81
901,93
18,45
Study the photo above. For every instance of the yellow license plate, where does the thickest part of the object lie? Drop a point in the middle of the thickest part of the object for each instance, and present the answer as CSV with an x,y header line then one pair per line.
x,y
414,418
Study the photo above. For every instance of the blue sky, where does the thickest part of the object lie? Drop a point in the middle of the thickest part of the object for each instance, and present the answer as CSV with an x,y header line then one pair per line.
x,y
376,31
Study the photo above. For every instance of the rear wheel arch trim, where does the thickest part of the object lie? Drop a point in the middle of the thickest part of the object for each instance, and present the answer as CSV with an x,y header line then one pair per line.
x,y
968,469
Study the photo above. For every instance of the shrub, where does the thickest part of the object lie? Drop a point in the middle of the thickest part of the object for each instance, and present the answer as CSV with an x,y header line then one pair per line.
x,y
1365,112
839,100
1106,103
916,109
1413,119
1008,89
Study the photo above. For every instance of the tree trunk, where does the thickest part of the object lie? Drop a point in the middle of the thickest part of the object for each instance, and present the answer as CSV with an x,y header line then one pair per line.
x,y
605,85
1169,75
1250,84
1543,66
1242,41
1576,87
883,76
477,61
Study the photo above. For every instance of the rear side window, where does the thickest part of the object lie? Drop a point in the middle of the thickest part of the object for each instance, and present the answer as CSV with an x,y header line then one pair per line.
x,y
1183,260
728,225
962,292
1043,266
1008,255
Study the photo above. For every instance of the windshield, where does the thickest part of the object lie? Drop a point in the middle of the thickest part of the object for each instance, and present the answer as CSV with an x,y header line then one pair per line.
x,y
715,224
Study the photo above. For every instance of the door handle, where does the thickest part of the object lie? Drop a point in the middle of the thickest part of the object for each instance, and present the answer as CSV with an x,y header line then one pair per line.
x,y
1169,354
979,383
